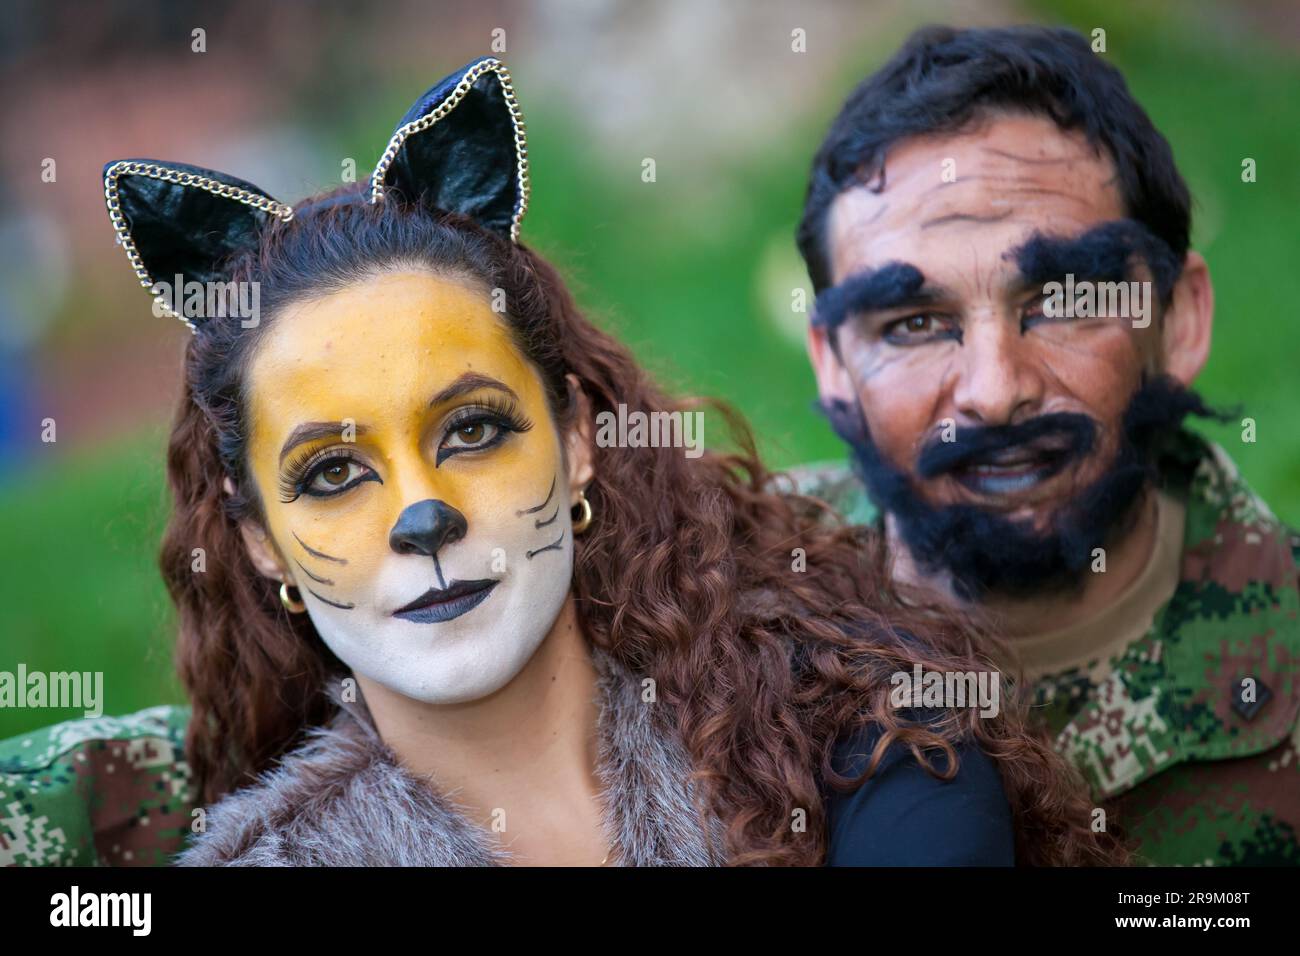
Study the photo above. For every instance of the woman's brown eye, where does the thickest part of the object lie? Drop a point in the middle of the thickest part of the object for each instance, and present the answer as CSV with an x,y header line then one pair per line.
x,y
335,474
470,437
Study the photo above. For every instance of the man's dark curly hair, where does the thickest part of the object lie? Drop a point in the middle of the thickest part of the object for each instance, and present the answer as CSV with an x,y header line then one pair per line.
x,y
943,78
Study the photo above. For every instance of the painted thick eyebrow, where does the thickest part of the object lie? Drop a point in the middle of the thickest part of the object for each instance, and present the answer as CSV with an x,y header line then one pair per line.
x,y
1103,252
892,286
311,431
470,382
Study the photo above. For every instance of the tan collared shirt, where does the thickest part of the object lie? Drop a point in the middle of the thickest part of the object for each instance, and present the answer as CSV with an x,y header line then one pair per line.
x,y
1093,643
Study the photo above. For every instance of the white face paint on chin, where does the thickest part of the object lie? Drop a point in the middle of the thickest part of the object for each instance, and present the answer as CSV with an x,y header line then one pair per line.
x,y
475,653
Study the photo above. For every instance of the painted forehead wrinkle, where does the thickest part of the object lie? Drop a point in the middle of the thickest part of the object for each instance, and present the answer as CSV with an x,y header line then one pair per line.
x,y
1007,165
965,217
1031,160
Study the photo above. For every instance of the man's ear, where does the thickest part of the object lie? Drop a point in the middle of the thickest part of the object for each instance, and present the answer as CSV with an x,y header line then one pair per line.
x,y
833,381
1185,337
261,549
579,443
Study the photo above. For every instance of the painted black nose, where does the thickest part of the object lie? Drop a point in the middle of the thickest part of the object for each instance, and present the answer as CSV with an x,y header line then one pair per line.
x,y
424,527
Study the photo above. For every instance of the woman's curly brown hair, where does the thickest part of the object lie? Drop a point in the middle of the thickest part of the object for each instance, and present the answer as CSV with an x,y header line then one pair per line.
x,y
685,574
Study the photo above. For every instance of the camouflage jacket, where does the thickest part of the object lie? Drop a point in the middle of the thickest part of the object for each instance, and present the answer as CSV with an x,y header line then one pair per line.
x,y
111,791
1193,774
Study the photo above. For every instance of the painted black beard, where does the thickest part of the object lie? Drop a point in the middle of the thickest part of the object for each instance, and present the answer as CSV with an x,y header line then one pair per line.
x,y
985,552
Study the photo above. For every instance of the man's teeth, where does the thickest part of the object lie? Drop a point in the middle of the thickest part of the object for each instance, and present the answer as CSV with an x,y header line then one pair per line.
x,y
1003,467
1013,459
1000,481
1007,476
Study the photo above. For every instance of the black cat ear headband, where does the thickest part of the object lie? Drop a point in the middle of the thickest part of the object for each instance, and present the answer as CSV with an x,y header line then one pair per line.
x,y
460,148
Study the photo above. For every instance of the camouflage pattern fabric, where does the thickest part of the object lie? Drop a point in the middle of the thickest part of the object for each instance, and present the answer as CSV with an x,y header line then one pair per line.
x,y
1191,738
101,791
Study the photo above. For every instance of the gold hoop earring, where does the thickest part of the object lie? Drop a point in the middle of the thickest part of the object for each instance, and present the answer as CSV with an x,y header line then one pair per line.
x,y
584,522
291,605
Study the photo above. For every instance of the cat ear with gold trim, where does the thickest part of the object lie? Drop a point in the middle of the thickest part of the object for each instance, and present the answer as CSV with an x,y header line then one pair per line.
x,y
461,148
178,220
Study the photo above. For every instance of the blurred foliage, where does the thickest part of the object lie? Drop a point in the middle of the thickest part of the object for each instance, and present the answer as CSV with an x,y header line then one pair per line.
x,y
80,585
675,269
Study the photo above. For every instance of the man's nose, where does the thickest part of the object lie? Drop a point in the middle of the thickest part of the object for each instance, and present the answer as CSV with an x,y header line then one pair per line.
x,y
999,379
426,526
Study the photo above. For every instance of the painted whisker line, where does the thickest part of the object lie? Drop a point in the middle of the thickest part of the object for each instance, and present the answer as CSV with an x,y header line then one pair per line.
x,y
550,547
318,580
536,508
551,520
317,554
345,607
437,567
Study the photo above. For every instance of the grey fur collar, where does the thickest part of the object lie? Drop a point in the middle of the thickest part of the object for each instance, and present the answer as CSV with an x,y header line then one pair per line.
x,y
342,799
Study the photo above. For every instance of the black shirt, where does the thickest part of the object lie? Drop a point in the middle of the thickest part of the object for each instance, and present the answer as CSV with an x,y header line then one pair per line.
x,y
904,816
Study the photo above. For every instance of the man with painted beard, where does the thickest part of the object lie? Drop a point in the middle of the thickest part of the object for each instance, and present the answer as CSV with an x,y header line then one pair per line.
x,y
1007,325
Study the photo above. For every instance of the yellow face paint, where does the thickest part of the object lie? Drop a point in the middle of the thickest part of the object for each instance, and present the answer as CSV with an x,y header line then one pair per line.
x,y
412,478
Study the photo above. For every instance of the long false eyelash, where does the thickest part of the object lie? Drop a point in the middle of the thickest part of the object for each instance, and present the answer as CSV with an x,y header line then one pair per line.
x,y
297,473
497,409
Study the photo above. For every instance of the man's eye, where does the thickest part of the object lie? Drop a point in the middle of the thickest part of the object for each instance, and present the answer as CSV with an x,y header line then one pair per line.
x,y
1045,309
918,328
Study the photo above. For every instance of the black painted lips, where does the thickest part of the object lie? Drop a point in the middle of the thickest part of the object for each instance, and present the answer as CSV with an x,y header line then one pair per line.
x,y
442,604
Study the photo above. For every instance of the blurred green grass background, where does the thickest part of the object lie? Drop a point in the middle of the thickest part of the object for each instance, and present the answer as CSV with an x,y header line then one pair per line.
x,y
687,289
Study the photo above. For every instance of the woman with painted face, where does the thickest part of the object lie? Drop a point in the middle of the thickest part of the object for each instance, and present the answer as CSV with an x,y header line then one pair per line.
x,y
442,621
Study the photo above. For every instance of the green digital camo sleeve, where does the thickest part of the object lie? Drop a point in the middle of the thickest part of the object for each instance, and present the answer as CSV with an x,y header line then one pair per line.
x,y
112,791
